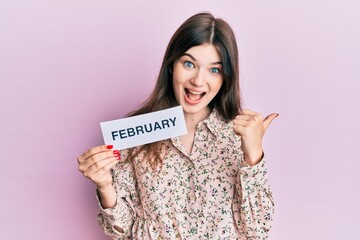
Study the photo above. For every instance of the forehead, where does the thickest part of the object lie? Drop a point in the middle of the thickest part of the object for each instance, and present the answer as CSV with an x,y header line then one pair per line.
x,y
205,53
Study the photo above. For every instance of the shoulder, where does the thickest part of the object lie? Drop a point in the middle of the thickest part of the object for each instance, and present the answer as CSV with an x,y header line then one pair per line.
x,y
222,129
218,125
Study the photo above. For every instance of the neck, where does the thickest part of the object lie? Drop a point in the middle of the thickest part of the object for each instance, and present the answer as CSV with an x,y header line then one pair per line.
x,y
193,119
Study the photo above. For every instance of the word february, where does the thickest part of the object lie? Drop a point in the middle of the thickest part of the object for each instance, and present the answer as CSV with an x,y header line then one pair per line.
x,y
142,129
145,128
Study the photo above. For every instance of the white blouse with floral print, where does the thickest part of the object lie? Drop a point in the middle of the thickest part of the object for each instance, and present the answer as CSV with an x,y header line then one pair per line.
x,y
207,194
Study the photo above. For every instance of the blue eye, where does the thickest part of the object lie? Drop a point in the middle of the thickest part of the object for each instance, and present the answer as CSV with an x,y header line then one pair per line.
x,y
215,70
188,64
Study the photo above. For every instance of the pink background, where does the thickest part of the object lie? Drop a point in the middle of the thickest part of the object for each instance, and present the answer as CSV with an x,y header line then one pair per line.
x,y
67,65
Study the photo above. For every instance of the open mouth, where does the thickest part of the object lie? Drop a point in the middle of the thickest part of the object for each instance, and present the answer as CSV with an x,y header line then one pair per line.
x,y
194,96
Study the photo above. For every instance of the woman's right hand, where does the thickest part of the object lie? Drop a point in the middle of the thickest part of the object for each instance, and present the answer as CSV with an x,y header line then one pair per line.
x,y
96,163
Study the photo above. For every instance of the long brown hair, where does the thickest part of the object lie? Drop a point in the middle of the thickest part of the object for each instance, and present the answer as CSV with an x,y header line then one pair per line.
x,y
198,29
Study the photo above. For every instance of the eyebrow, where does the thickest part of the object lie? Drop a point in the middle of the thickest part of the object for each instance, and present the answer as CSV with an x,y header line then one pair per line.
x,y
190,56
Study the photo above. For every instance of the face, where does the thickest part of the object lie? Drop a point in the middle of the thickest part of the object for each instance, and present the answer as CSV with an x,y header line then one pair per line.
x,y
197,78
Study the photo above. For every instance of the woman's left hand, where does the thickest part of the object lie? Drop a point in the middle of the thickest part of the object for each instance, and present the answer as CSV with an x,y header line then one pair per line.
x,y
251,127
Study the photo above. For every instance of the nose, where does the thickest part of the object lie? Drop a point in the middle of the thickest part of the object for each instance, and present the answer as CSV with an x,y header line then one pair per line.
x,y
199,78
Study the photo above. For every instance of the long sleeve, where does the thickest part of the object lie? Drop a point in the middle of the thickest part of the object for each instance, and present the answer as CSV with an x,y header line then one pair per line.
x,y
257,205
117,221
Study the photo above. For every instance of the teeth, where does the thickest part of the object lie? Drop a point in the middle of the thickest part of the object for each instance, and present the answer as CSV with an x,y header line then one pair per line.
x,y
193,95
194,92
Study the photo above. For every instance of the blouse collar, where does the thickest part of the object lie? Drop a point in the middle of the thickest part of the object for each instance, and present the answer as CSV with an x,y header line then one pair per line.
x,y
215,122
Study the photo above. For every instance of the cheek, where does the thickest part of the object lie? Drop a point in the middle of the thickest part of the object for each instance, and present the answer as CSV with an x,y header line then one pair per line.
x,y
177,71
176,80
217,85
175,83
176,87
179,79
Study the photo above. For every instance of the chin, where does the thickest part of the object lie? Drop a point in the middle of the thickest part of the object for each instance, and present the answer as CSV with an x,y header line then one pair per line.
x,y
194,109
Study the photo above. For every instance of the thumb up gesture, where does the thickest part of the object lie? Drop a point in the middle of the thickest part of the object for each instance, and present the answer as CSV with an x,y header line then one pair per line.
x,y
251,127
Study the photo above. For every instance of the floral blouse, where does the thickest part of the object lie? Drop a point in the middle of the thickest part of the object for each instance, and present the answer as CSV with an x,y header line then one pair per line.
x,y
209,193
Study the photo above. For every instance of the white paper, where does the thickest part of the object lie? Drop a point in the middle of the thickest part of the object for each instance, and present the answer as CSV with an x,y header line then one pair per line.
x,y
146,128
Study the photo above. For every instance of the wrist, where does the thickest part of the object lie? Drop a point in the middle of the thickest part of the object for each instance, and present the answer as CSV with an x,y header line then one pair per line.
x,y
254,158
107,196
104,187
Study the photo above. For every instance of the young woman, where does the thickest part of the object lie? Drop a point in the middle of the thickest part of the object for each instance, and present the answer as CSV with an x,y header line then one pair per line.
x,y
208,184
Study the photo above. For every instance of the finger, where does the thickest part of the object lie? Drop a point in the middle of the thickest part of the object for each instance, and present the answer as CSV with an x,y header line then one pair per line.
x,y
244,117
240,130
105,169
248,120
242,123
99,165
110,165
269,119
249,112
93,151
256,115
97,158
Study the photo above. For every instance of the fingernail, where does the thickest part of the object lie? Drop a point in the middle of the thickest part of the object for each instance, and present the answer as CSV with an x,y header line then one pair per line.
x,y
277,115
116,152
118,157
109,146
